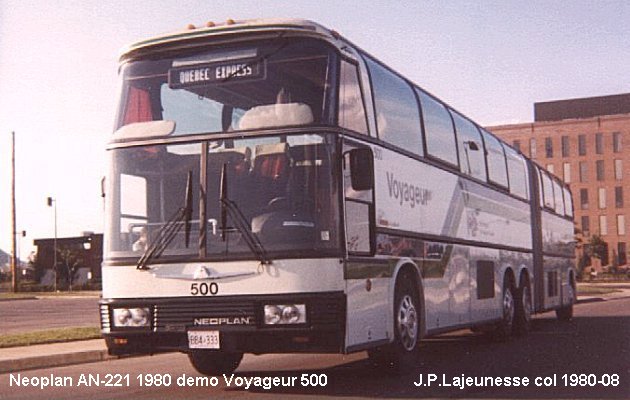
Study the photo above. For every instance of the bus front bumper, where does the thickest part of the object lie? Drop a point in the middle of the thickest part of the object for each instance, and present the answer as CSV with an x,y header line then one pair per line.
x,y
237,321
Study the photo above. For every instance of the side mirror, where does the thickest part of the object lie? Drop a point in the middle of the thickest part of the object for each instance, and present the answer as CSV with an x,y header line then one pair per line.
x,y
361,169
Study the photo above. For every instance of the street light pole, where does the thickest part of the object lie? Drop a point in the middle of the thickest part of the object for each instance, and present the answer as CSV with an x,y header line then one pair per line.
x,y
50,204
14,258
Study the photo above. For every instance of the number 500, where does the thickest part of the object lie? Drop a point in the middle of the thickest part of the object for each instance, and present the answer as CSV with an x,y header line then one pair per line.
x,y
204,289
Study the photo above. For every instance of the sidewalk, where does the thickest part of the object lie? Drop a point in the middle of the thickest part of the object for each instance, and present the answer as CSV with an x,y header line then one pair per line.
x,y
15,359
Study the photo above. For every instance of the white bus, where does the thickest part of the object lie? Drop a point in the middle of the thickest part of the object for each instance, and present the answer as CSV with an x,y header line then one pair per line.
x,y
274,188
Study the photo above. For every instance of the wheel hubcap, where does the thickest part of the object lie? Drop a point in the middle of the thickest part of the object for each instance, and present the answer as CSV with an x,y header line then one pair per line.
x,y
508,307
407,323
527,304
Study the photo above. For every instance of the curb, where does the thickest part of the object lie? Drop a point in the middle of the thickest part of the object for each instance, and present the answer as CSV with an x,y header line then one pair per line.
x,y
20,298
54,360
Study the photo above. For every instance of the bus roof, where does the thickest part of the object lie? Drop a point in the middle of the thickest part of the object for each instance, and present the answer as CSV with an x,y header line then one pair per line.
x,y
231,26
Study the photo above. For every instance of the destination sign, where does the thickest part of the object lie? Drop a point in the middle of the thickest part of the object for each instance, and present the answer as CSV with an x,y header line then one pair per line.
x,y
204,74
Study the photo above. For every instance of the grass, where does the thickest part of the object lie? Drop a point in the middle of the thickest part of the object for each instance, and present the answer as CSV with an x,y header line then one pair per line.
x,y
26,295
49,336
585,290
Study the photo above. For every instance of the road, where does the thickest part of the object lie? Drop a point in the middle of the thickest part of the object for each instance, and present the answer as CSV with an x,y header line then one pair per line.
x,y
595,342
52,312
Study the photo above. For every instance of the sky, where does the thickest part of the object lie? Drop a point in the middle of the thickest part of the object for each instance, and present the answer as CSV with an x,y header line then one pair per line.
x,y
491,60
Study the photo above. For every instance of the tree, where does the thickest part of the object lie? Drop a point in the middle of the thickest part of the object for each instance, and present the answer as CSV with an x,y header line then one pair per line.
x,y
72,259
599,248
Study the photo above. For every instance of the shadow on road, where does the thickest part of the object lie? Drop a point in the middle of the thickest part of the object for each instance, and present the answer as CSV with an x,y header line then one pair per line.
x,y
596,346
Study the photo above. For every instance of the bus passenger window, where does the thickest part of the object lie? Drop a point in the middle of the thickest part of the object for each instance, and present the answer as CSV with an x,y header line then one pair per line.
x,y
497,171
351,107
557,193
397,114
438,128
568,202
517,173
547,191
472,160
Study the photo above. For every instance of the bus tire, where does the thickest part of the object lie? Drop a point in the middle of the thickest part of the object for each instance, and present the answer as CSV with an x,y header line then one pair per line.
x,y
213,363
504,329
402,354
523,309
566,313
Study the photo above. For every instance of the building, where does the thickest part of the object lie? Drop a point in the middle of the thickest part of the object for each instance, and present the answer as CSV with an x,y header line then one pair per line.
x,y
83,254
585,142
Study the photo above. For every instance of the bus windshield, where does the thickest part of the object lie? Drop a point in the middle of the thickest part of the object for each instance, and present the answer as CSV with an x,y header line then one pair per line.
x,y
284,189
253,85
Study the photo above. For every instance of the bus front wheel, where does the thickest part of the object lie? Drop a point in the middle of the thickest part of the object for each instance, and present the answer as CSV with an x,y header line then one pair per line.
x,y
402,354
215,363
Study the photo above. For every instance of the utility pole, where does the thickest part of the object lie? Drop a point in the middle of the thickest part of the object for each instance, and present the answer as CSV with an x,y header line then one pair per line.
x,y
14,259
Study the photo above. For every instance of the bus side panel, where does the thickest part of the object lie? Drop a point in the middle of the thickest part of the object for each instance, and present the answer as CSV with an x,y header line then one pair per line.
x,y
558,259
370,314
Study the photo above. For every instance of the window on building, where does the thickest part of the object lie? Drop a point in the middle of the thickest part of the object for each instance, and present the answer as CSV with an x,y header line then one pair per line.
x,y
351,107
550,168
582,145
586,224
622,253
548,147
602,198
472,160
517,145
618,170
584,199
619,196
532,148
438,129
397,114
495,157
603,225
617,145
599,143
566,172
621,225
599,168
565,146
583,166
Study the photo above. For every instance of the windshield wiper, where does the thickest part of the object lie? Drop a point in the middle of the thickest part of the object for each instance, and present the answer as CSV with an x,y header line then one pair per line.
x,y
240,222
169,231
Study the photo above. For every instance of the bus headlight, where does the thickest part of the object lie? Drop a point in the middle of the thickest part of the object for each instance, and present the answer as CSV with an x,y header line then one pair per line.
x,y
132,317
279,314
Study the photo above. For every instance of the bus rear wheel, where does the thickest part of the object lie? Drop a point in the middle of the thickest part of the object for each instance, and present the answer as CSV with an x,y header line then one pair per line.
x,y
213,363
523,310
504,329
402,354
566,313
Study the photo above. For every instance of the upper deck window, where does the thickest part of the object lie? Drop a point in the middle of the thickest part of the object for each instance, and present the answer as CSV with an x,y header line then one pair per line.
x,y
351,106
397,115
438,127
472,160
255,85
495,155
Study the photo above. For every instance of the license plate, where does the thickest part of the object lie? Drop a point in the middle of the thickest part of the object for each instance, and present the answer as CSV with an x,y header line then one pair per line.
x,y
203,340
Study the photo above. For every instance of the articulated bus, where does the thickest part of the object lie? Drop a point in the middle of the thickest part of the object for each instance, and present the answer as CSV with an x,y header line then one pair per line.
x,y
273,188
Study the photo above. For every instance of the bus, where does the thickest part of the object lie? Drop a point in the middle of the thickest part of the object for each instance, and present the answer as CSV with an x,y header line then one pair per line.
x,y
273,188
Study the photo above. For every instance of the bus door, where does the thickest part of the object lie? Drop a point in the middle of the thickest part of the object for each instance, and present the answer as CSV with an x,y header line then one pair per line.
x,y
366,281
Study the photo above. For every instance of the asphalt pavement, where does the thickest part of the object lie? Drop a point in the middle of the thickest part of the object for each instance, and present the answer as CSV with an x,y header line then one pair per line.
x,y
15,359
